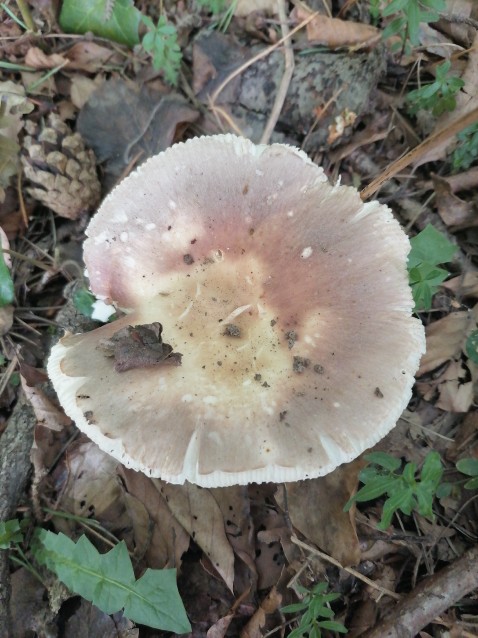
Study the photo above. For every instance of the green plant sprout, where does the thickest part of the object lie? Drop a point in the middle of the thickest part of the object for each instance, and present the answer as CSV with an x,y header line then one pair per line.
x,y
429,248
317,613
470,468
161,41
466,152
214,6
407,489
409,14
438,96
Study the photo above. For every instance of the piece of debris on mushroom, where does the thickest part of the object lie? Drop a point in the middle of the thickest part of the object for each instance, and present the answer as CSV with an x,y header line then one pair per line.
x,y
288,301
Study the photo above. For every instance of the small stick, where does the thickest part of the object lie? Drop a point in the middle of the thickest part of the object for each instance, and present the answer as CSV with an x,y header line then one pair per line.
x,y
433,596
427,145
259,56
286,78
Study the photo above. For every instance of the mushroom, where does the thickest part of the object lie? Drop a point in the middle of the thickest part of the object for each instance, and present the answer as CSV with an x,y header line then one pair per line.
x,y
267,333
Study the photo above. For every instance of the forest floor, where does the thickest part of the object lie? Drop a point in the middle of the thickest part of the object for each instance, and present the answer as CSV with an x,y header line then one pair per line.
x,y
81,108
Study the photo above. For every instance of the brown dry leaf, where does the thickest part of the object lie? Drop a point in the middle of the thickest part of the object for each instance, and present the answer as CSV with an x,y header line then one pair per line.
x,y
235,507
455,212
167,540
269,605
219,629
92,486
90,57
37,59
123,122
454,388
465,286
315,508
246,7
336,33
46,413
445,339
82,87
197,511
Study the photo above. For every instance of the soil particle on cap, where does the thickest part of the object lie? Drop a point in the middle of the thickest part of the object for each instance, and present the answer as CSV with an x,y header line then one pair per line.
x,y
188,259
378,393
291,337
300,364
319,369
231,330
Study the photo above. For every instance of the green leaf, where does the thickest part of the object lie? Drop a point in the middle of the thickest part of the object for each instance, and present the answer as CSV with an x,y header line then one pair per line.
x,y
402,500
471,346
432,470
7,290
468,466
430,247
10,532
333,625
83,301
119,24
375,488
108,581
385,460
472,484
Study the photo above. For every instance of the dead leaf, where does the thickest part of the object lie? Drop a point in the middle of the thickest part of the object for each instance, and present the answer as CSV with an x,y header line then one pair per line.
x,y
197,511
455,212
82,87
315,508
445,338
269,605
37,59
336,33
46,413
246,7
122,123
91,486
219,629
90,57
167,540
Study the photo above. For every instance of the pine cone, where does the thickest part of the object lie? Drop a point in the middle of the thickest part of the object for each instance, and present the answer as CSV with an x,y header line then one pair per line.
x,y
62,171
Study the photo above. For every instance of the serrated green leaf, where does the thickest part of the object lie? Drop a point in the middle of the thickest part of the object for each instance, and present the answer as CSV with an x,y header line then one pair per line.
x,y
108,581
409,473
10,532
402,500
7,289
121,24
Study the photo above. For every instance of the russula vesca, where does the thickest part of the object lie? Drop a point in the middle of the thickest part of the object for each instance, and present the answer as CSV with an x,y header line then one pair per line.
x,y
268,333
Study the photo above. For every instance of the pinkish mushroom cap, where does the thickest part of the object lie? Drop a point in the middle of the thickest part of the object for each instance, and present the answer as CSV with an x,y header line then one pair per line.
x,y
287,298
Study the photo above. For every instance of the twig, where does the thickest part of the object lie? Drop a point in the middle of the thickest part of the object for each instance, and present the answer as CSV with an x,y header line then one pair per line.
x,y
349,570
433,596
16,443
457,19
256,58
431,142
286,78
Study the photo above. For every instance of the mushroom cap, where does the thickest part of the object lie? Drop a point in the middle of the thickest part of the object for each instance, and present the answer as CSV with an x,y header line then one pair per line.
x,y
287,297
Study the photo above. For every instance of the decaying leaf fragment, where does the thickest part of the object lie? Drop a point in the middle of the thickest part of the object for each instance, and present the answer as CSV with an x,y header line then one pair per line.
x,y
139,347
